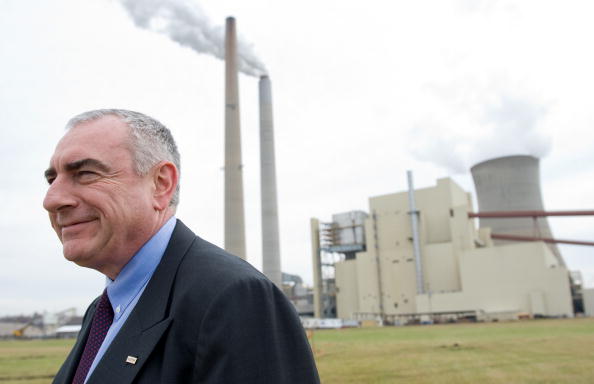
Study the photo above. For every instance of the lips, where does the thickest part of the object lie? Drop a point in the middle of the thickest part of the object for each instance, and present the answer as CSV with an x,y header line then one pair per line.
x,y
73,227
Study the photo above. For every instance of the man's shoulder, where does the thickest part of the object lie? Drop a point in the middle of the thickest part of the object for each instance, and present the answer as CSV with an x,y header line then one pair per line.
x,y
205,264
207,279
220,263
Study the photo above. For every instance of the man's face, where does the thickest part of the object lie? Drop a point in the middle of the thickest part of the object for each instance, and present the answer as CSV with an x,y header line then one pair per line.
x,y
99,207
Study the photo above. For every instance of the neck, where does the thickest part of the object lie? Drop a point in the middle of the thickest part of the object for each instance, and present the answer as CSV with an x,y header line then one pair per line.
x,y
113,270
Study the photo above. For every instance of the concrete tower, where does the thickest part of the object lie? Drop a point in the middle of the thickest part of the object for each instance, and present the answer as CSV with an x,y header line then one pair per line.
x,y
234,210
271,265
512,183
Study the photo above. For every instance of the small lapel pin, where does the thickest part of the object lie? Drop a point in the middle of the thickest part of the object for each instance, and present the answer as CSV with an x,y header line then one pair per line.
x,y
131,359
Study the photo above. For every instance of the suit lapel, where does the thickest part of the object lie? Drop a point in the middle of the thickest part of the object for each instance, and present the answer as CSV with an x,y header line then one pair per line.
x,y
128,353
149,319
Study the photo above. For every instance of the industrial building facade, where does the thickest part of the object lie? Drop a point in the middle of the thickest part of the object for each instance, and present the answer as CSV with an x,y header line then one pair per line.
x,y
457,271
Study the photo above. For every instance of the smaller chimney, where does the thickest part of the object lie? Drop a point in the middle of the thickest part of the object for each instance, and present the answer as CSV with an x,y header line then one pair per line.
x,y
271,263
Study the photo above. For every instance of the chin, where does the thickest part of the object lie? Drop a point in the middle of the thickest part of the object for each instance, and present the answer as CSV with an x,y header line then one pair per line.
x,y
76,254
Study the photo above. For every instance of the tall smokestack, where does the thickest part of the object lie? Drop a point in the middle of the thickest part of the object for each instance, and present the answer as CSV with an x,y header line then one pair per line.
x,y
271,265
512,183
234,210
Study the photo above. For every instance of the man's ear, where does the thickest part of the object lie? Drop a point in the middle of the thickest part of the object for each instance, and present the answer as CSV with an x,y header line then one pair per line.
x,y
165,179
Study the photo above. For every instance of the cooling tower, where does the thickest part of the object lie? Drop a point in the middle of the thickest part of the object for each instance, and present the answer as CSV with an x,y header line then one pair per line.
x,y
271,265
234,210
512,183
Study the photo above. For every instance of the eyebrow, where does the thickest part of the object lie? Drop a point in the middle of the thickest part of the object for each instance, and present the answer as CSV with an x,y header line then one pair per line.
x,y
78,164
50,172
93,163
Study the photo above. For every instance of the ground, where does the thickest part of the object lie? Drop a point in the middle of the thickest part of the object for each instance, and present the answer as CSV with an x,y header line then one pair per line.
x,y
535,351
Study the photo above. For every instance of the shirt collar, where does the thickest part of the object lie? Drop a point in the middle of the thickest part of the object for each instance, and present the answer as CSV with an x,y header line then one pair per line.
x,y
133,277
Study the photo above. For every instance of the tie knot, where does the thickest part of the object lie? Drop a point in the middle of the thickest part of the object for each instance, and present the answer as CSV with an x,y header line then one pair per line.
x,y
104,308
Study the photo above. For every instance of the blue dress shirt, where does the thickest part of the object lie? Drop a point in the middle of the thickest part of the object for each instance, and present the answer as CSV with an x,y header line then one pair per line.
x,y
128,286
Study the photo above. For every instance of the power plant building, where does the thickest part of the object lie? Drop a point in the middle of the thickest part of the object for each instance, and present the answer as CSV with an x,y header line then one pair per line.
x,y
462,272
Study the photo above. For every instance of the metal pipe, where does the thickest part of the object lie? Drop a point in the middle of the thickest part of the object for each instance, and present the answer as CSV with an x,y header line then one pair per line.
x,y
543,239
414,223
317,267
507,214
378,259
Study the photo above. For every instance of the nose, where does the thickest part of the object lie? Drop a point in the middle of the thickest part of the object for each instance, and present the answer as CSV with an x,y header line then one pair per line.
x,y
59,196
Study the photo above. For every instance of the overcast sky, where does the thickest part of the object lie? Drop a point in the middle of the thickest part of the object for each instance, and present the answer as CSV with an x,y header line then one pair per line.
x,y
362,92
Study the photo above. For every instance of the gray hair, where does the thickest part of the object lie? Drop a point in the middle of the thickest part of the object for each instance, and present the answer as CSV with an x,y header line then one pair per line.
x,y
151,141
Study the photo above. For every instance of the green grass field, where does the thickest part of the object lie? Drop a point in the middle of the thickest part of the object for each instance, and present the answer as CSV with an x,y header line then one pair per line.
x,y
31,361
539,351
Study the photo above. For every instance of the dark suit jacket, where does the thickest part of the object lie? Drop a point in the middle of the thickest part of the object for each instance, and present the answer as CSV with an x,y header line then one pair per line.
x,y
205,317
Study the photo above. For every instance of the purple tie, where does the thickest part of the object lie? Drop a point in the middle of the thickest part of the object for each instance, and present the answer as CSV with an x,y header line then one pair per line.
x,y
101,323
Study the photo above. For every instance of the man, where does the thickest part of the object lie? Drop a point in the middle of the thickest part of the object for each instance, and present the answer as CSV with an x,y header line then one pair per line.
x,y
176,308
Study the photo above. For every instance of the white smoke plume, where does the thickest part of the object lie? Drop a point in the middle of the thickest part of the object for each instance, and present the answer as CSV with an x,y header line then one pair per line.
x,y
184,22
470,125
